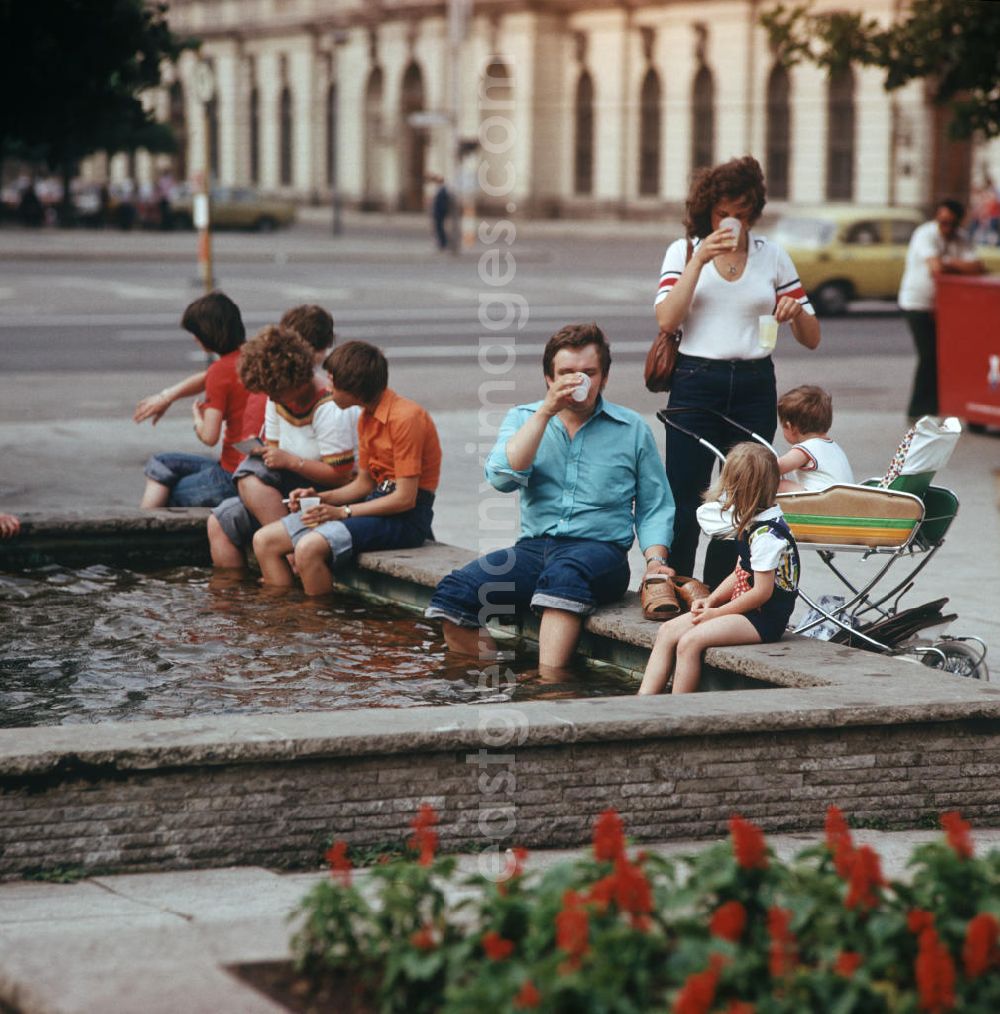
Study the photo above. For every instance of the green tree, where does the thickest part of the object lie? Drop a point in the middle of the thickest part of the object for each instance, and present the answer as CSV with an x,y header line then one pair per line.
x,y
953,45
72,73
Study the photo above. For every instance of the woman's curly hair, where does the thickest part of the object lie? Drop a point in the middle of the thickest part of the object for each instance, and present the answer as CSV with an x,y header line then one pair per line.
x,y
732,180
275,361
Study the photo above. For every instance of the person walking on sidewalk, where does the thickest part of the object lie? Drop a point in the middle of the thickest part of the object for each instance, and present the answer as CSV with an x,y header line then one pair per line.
x,y
440,210
938,247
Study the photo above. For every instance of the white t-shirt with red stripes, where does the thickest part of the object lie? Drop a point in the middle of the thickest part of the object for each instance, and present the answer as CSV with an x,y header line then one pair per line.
x,y
722,322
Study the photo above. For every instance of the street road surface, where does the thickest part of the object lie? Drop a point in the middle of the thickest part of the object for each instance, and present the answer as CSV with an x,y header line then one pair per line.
x,y
124,317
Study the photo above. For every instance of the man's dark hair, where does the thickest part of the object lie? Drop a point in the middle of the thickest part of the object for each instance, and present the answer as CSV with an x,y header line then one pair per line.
x,y
216,322
312,323
358,369
957,208
576,336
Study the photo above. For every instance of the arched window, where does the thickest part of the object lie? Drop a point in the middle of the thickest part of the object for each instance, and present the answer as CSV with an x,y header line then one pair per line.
x,y
414,140
583,140
703,119
779,131
212,121
649,134
331,135
373,137
255,134
840,136
178,124
285,137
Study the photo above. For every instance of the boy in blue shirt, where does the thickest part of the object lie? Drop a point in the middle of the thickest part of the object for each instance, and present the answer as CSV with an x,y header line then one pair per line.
x,y
590,480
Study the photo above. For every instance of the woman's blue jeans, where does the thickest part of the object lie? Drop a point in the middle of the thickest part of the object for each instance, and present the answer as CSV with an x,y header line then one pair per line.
x,y
744,390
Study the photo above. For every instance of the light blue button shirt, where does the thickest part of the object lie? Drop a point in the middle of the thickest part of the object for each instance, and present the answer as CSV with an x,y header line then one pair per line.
x,y
603,484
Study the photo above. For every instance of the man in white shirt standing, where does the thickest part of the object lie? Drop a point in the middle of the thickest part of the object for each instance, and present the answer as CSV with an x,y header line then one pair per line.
x,y
936,247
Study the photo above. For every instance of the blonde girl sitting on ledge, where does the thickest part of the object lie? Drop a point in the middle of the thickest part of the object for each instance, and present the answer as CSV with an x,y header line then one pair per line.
x,y
752,605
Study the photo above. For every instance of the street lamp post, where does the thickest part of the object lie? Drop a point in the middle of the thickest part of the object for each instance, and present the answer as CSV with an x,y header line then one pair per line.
x,y
339,39
204,87
458,16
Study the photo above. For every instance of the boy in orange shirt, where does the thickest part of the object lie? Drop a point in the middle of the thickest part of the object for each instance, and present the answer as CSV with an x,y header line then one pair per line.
x,y
390,503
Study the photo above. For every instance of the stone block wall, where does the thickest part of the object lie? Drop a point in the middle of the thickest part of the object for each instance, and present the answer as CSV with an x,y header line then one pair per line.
x,y
282,813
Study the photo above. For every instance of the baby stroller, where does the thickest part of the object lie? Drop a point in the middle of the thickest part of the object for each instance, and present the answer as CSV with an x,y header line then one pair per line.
x,y
894,526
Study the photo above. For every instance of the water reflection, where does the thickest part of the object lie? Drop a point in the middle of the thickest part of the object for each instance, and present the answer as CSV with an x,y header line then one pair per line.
x,y
99,644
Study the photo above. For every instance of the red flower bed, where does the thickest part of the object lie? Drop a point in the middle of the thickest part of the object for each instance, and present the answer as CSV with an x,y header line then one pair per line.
x,y
731,930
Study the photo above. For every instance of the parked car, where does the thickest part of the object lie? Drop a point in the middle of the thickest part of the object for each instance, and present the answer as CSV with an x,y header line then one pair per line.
x,y
847,252
234,208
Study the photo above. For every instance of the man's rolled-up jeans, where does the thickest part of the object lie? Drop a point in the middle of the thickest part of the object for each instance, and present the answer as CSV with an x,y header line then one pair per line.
x,y
575,575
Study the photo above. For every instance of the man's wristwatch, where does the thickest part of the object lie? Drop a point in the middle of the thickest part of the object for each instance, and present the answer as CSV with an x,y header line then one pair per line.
x,y
347,511
656,559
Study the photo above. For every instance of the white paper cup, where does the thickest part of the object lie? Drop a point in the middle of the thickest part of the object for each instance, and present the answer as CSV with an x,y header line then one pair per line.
x,y
580,393
767,331
307,503
735,226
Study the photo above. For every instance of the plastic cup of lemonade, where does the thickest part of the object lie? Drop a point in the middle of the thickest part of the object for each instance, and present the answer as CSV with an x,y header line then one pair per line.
x,y
734,226
580,393
767,330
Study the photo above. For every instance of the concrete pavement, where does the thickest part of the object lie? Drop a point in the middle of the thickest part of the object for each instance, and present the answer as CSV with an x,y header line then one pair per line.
x,y
369,237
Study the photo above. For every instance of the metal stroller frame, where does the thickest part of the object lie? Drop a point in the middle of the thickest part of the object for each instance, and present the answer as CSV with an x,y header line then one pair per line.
x,y
913,532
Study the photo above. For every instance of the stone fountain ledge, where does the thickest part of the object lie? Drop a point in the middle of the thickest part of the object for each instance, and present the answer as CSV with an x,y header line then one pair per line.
x,y
887,740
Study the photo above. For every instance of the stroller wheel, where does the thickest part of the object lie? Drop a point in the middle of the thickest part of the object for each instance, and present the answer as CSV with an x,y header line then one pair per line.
x,y
958,658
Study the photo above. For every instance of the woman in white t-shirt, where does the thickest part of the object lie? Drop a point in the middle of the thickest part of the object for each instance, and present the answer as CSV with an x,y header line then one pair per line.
x,y
715,289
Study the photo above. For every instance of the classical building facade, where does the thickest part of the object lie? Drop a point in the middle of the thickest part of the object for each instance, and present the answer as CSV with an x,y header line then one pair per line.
x,y
579,106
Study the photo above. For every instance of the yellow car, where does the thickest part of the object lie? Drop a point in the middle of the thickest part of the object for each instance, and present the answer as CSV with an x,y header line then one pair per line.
x,y
847,252
235,208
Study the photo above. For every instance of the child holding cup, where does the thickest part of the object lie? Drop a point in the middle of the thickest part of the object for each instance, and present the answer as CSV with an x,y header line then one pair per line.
x,y
308,439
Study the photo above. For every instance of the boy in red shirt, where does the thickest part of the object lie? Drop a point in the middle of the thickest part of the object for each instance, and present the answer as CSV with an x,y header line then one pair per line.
x,y
390,503
180,479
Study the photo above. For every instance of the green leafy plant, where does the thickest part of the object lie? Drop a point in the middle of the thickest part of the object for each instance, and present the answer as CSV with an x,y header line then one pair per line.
x,y
731,930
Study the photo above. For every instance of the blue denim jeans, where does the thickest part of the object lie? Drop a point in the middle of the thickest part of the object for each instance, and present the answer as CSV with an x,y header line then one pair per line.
x,y
745,391
194,480
575,575
352,536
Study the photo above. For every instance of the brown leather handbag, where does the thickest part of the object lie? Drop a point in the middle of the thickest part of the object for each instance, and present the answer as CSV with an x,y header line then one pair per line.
x,y
662,355
661,360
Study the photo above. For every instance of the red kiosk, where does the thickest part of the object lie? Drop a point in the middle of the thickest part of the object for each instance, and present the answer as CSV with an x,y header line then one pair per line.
x,y
968,347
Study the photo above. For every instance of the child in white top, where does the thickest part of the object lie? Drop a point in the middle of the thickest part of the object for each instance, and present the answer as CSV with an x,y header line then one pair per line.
x,y
752,605
308,440
815,461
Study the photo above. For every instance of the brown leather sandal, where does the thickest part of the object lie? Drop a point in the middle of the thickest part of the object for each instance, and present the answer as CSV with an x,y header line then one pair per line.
x,y
689,589
659,598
